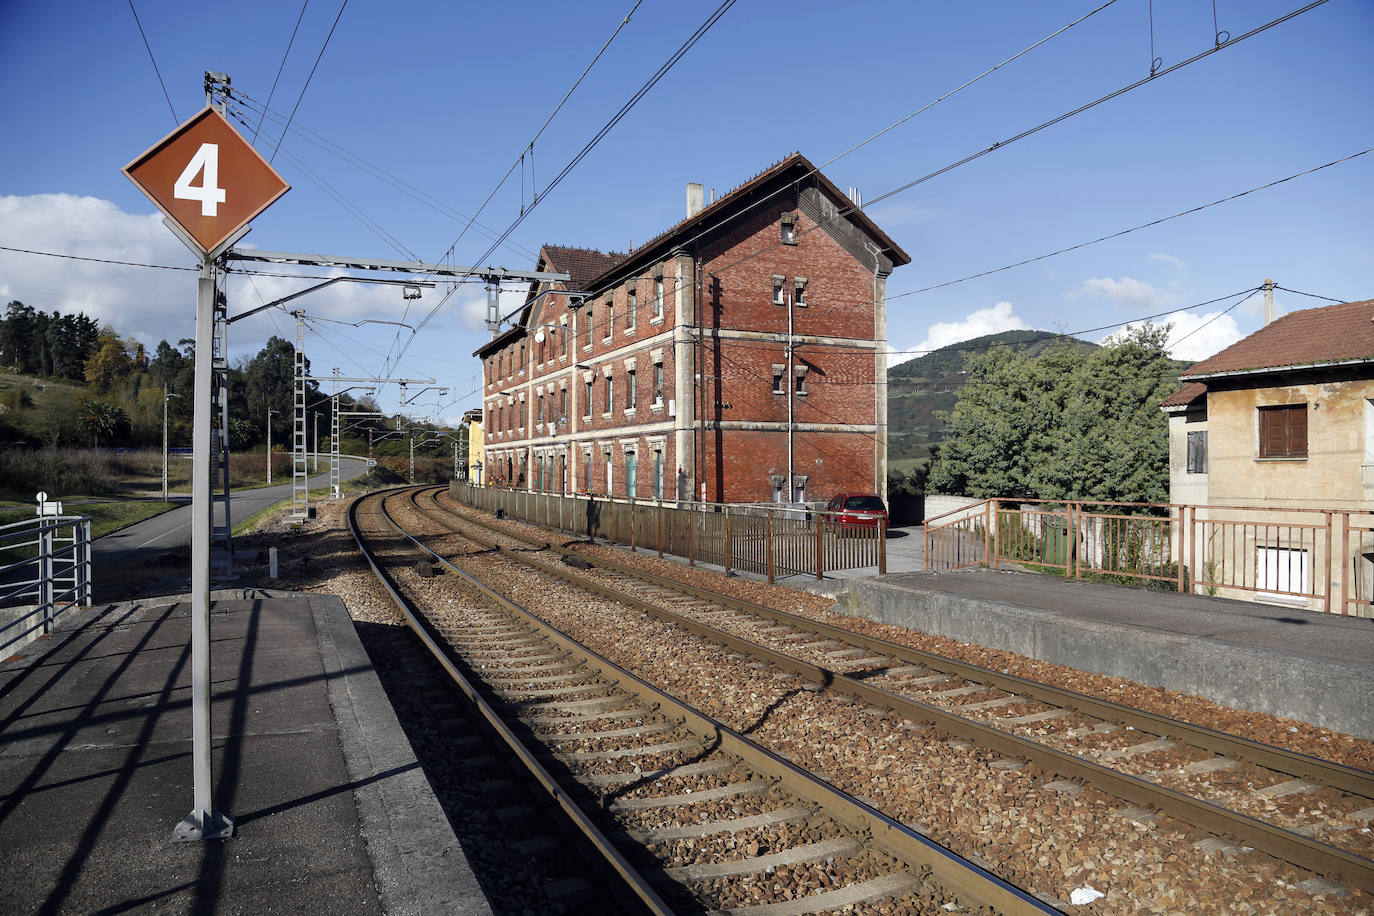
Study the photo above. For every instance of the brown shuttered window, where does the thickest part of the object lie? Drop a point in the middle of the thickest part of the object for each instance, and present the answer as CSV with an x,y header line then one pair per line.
x,y
1283,431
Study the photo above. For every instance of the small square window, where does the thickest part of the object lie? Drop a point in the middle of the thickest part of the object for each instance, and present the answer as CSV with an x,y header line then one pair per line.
x,y
1283,431
799,292
779,285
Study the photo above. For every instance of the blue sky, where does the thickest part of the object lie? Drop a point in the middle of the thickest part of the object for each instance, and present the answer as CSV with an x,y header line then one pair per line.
x,y
446,96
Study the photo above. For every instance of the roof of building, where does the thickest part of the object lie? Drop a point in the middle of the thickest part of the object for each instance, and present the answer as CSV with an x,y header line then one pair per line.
x,y
582,264
1329,335
1185,395
732,198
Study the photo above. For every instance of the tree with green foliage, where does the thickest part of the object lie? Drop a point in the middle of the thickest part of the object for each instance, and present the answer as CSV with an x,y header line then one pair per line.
x,y
1066,424
103,422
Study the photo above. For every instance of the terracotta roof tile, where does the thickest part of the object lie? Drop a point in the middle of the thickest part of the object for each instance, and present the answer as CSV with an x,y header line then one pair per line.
x,y
582,264
1185,395
1331,334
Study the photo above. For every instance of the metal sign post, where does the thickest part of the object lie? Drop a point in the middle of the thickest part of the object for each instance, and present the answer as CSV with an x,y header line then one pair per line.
x,y
210,183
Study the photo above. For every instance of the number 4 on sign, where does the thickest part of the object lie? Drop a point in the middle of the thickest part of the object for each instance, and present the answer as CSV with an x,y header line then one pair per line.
x,y
206,163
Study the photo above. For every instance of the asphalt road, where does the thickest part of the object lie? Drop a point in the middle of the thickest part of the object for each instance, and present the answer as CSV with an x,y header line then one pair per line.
x,y
141,544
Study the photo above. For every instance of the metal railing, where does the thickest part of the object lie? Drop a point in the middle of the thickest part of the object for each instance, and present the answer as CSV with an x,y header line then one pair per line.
x,y
1300,555
46,571
765,540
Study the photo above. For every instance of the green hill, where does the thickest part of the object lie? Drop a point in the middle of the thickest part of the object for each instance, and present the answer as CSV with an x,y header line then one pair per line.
x,y
919,388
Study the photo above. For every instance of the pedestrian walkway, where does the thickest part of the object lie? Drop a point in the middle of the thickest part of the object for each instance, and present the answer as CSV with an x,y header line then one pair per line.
x,y
331,807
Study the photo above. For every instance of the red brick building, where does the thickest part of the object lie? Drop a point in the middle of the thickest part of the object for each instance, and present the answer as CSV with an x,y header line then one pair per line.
x,y
667,372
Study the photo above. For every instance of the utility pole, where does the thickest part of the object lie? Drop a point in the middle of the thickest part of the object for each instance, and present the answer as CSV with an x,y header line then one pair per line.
x,y
317,442
270,411
1268,301
165,398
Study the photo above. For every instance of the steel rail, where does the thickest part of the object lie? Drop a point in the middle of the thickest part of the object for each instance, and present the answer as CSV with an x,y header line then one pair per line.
x,y
633,880
975,883
1292,763
1292,847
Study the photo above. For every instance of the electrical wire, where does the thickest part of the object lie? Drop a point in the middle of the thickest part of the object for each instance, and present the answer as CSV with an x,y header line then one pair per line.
x,y
591,144
77,257
1313,295
1115,235
175,119
342,7
276,79
1043,125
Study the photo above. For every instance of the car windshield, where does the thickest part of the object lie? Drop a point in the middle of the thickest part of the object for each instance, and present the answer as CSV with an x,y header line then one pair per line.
x,y
864,502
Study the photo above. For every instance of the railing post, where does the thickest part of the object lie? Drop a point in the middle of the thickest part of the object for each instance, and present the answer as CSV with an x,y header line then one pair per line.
x,y
1345,572
993,533
768,545
820,565
882,546
729,546
45,572
1329,561
81,562
1182,543
691,537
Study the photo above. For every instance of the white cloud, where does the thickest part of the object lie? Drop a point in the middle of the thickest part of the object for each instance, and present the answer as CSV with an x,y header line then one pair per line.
x,y
999,317
900,214
146,303
1131,293
1194,337
1175,262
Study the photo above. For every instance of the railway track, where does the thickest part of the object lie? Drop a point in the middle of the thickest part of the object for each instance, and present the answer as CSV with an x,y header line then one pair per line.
x,y
689,813
1245,794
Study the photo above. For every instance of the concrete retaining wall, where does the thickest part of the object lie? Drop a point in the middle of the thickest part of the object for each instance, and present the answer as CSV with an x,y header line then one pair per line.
x,y
1333,693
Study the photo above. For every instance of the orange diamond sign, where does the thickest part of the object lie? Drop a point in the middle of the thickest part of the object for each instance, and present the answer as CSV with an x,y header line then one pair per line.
x,y
207,179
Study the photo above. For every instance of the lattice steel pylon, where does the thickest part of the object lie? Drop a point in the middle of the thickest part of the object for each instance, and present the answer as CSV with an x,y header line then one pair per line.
x,y
300,472
334,490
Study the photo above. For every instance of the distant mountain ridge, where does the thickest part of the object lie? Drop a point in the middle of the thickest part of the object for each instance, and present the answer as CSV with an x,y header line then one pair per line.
x,y
919,388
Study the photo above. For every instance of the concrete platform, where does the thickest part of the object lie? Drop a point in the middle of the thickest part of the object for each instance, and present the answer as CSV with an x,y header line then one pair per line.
x,y
1296,663
331,807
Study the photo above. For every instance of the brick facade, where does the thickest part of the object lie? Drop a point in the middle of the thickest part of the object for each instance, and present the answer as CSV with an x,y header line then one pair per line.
x,y
665,372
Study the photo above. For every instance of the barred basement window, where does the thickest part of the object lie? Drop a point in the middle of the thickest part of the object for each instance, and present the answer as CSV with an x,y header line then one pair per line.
x,y
1197,452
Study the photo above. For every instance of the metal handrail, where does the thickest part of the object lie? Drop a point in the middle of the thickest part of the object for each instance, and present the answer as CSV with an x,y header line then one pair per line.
x,y
62,570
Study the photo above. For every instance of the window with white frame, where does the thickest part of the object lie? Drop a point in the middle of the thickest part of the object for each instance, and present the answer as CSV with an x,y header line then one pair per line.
x,y
658,296
631,305
591,318
631,474
630,389
610,317
658,473
658,383
610,477
587,408
610,395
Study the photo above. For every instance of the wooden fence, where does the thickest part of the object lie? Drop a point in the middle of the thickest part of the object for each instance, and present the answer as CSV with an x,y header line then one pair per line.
x,y
1309,557
768,541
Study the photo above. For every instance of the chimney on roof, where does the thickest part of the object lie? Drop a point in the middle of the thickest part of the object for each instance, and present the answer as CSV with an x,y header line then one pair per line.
x,y
713,195
694,192
857,197
1268,301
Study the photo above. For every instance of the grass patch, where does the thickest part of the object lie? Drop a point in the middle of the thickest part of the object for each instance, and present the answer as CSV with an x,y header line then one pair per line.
x,y
106,515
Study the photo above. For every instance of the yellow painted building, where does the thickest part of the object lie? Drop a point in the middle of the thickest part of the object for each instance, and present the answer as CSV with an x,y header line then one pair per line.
x,y
476,465
1271,444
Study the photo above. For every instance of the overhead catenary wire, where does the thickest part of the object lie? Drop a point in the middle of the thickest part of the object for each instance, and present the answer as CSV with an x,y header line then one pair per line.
x,y
156,70
592,143
313,68
1043,125
280,67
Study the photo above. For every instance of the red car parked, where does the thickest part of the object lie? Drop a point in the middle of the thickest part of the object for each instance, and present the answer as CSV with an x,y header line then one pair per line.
x,y
857,510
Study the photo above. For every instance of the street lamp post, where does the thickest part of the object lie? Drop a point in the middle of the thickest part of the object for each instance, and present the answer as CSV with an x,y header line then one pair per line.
x,y
165,398
270,411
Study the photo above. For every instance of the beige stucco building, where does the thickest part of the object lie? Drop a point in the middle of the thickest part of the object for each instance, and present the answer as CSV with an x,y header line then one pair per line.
x,y
1272,441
